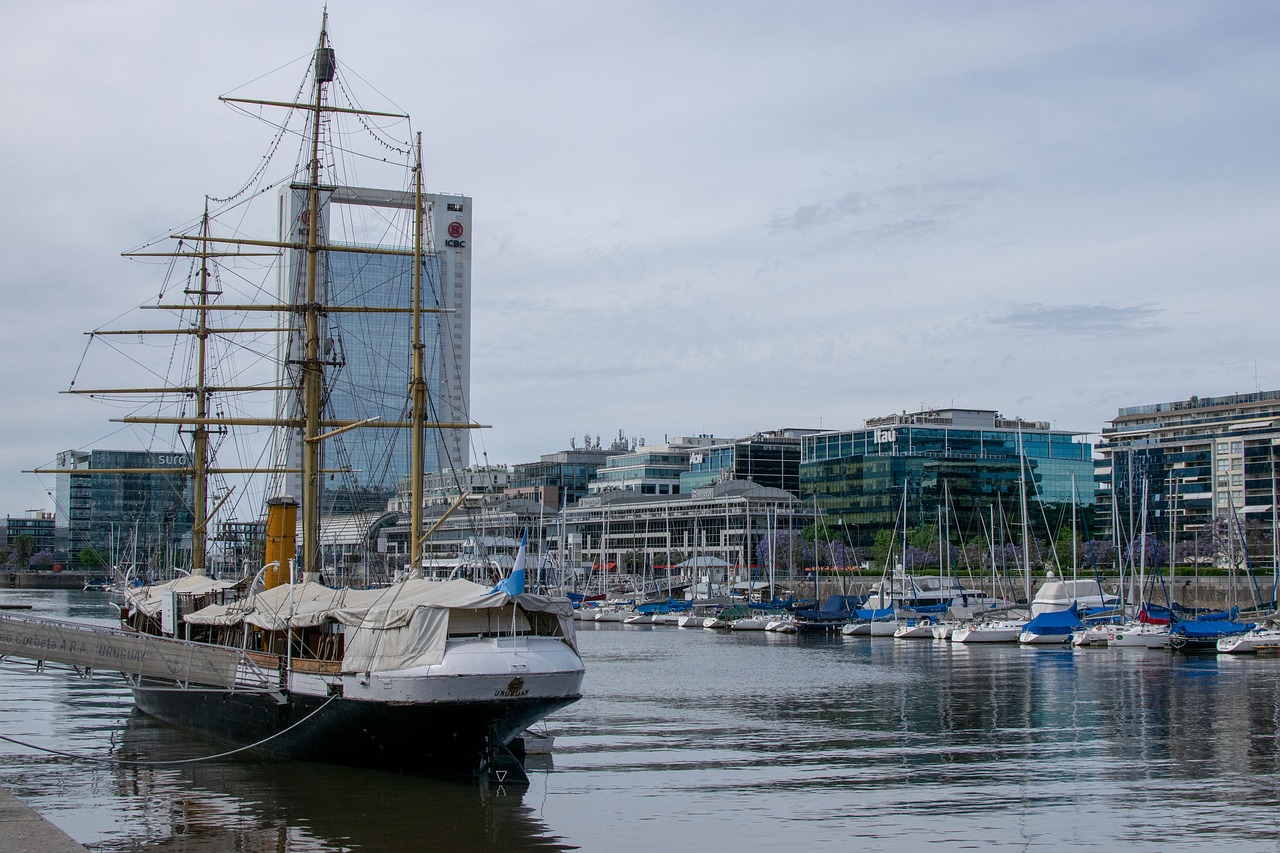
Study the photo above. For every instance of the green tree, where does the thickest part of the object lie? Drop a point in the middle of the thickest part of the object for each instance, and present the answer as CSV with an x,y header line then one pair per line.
x,y
20,553
92,558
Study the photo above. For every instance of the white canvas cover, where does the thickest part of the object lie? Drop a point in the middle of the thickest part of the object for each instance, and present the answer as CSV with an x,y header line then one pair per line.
x,y
397,627
148,599
302,605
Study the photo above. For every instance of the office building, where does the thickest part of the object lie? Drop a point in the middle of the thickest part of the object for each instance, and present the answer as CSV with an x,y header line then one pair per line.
x,y
769,458
125,512
651,470
36,525
968,459
629,533
559,479
367,353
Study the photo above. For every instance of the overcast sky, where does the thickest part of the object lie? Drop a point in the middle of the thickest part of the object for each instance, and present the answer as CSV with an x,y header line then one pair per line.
x,y
700,218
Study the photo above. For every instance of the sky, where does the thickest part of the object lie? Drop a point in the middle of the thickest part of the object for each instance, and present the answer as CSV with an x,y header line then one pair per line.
x,y
698,218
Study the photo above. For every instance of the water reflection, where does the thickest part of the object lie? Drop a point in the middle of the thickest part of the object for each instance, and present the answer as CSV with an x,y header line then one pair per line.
x,y
277,806
916,742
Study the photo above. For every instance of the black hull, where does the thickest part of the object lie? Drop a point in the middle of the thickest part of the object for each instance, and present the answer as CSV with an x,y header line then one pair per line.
x,y
820,626
447,738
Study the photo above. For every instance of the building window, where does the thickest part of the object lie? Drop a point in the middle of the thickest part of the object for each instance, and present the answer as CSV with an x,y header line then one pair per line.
x,y
1237,447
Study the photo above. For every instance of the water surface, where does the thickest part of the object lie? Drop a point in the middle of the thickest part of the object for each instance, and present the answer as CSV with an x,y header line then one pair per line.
x,y
689,738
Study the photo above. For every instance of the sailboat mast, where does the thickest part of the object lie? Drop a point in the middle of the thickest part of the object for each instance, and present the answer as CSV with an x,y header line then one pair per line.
x,y
312,373
1026,525
418,384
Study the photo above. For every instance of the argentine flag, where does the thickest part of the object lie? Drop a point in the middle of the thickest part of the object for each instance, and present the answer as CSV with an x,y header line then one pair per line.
x,y
513,584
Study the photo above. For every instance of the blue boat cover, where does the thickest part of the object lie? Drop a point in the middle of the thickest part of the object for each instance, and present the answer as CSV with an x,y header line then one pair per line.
x,y
874,615
835,607
1210,629
654,607
930,608
1056,622
1219,615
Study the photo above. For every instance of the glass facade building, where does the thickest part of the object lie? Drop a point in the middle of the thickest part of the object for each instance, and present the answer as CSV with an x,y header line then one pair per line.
x,y
652,470
125,512
368,355
558,479
972,458
769,458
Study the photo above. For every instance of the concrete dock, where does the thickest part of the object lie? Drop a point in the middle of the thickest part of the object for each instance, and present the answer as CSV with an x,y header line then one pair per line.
x,y
24,831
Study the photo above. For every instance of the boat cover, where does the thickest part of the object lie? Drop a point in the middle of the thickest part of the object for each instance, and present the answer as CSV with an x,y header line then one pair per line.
x,y
1209,629
929,608
1054,622
874,615
397,627
148,599
836,607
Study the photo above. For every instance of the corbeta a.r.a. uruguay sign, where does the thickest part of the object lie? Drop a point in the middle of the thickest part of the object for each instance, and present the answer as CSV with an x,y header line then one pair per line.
x,y
105,648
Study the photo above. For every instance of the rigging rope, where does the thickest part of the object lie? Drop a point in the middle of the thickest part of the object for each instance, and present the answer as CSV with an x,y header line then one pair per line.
x,y
128,762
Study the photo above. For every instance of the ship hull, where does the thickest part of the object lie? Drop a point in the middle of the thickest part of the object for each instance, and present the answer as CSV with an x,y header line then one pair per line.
x,y
461,737
454,718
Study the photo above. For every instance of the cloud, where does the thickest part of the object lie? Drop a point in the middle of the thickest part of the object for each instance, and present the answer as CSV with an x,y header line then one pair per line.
x,y
1092,320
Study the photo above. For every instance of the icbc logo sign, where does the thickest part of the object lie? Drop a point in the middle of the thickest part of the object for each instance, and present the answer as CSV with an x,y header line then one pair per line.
x,y
455,232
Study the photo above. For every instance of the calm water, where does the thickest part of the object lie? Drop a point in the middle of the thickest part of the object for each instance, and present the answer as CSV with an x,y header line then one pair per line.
x,y
698,739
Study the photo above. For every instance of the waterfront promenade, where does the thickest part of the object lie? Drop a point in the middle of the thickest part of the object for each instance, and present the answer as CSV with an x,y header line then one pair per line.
x,y
24,831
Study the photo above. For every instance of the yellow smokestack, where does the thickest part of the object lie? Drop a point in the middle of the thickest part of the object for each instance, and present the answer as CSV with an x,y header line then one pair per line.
x,y
282,540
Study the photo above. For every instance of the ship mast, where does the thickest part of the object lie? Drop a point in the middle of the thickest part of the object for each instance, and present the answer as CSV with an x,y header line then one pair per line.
x,y
309,311
200,432
312,373
418,384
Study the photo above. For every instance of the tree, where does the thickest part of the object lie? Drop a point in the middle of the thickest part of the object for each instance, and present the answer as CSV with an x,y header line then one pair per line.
x,y
20,552
92,558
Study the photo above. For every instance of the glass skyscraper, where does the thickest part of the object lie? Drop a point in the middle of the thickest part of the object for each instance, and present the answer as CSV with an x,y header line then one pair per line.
x,y
368,355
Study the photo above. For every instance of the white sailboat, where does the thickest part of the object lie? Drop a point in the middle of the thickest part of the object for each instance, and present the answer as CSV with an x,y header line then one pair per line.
x,y
1005,625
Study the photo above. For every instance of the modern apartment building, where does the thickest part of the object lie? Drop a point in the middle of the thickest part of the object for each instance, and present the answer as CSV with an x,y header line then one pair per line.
x,y
1203,462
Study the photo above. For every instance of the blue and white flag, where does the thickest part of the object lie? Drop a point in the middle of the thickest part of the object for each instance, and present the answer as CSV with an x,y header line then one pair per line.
x,y
513,584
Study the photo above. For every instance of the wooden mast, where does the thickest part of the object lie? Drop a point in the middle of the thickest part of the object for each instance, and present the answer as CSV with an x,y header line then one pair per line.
x,y
418,383
200,432
312,374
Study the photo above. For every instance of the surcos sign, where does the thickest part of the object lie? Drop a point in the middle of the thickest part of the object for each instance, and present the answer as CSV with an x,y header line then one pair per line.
x,y
455,240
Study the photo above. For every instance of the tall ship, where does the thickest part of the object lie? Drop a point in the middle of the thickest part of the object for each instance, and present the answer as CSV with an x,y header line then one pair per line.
x,y
418,674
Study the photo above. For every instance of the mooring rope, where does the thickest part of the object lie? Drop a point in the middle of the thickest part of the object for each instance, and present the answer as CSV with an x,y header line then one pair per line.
x,y
125,761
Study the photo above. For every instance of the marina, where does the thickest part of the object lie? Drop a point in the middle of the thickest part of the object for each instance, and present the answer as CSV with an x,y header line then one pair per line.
x,y
343,563
696,738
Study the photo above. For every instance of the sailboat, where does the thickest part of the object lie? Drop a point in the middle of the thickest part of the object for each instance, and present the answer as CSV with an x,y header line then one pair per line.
x,y
1010,628
422,675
